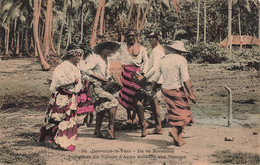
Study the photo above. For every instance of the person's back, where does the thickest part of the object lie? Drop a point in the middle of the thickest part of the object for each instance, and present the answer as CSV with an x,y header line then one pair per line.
x,y
176,87
174,70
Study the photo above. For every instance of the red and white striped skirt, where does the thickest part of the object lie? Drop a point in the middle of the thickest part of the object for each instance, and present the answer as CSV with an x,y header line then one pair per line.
x,y
127,93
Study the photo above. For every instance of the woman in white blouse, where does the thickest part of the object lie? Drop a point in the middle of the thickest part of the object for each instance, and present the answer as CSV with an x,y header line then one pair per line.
x,y
60,125
98,73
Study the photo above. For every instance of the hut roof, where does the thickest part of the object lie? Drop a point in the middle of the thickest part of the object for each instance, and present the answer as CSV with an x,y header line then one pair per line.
x,y
244,40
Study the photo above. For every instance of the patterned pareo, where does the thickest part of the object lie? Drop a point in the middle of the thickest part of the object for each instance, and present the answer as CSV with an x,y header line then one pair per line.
x,y
60,125
102,100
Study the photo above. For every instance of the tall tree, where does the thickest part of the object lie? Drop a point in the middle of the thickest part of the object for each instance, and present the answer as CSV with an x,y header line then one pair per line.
x,y
94,30
205,22
64,11
229,24
259,24
240,4
198,23
36,15
48,25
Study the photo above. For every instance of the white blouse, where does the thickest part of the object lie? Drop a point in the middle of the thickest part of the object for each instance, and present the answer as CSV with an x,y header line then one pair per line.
x,y
65,74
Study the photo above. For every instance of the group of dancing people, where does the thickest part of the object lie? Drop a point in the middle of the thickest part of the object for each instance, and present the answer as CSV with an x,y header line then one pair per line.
x,y
78,87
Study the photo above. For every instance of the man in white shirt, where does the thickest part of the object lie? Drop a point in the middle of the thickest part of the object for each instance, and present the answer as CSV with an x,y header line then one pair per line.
x,y
98,72
156,54
176,88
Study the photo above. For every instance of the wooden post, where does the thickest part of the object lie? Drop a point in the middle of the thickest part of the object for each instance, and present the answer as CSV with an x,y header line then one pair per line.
x,y
230,116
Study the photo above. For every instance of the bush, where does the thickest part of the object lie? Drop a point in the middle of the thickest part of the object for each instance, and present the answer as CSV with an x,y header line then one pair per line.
x,y
206,53
211,53
246,55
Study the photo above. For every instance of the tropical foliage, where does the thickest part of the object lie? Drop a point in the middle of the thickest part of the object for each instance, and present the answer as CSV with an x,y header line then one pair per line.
x,y
45,28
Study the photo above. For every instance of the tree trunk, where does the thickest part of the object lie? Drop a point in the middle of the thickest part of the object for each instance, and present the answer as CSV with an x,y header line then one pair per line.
x,y
198,23
130,13
64,11
175,3
52,35
101,25
42,33
47,34
70,30
128,19
17,43
81,22
122,25
94,30
7,40
229,23
36,15
205,22
26,41
21,47
144,16
138,20
239,29
14,44
259,25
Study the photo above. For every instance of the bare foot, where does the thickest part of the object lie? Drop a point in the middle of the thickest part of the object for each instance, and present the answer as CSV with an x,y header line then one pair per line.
x,y
135,121
99,134
110,134
144,129
181,141
129,122
156,132
175,137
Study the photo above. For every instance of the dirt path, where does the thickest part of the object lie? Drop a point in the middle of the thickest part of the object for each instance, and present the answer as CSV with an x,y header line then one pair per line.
x,y
21,120
19,129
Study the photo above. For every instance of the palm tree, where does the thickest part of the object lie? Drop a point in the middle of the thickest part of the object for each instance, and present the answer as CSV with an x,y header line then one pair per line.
x,y
229,23
198,22
205,22
259,24
36,15
94,30
63,21
16,19
48,28
241,4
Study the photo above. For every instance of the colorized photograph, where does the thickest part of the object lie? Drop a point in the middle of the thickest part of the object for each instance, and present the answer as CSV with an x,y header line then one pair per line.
x,y
129,82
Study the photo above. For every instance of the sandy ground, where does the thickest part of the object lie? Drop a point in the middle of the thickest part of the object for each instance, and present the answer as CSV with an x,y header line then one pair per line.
x,y
24,88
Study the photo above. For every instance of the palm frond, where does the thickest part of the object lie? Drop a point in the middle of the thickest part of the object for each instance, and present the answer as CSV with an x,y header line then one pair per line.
x,y
7,7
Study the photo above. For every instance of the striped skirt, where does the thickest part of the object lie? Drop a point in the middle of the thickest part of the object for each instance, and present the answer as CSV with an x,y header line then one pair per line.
x,y
178,107
60,125
130,88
